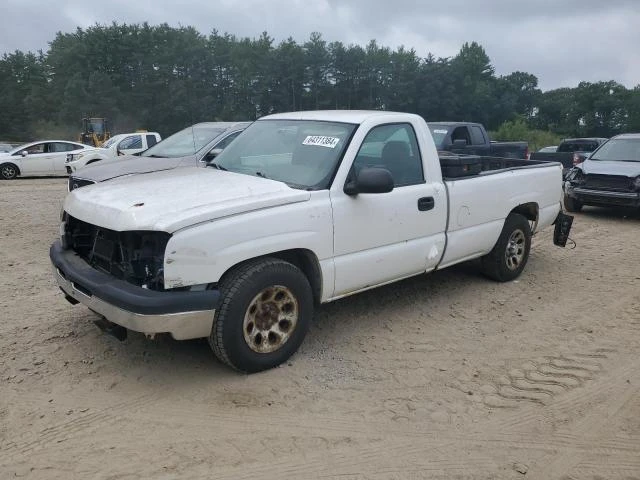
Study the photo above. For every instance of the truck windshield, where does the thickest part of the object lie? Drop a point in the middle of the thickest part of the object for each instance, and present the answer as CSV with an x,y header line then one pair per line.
x,y
301,153
621,150
112,140
570,147
185,142
439,133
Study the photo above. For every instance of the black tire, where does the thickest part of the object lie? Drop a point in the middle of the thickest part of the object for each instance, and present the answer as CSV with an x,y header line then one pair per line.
x,y
572,205
509,256
245,309
8,171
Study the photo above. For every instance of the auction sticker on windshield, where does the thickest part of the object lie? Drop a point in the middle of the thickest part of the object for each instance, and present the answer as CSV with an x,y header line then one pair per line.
x,y
440,131
321,141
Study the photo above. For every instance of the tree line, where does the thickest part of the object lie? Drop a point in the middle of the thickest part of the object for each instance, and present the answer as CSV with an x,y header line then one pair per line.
x,y
163,78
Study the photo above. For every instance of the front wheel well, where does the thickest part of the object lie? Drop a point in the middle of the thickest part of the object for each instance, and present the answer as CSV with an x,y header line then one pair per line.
x,y
13,164
302,258
93,160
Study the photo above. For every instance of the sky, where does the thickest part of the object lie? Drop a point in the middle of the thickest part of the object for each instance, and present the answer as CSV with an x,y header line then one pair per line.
x,y
562,42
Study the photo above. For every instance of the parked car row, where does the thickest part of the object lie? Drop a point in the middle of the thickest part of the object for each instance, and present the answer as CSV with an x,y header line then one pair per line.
x,y
192,146
122,144
61,158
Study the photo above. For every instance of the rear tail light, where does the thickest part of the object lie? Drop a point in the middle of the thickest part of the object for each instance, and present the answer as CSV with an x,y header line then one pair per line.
x,y
527,155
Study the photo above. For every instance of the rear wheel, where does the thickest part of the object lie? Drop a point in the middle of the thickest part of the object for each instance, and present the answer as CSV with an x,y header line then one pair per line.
x,y
571,204
509,256
264,315
8,171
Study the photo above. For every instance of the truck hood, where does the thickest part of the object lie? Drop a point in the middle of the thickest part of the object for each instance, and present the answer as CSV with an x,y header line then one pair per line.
x,y
129,165
168,200
606,167
93,150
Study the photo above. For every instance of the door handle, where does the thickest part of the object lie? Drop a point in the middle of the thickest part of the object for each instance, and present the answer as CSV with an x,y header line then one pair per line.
x,y
426,203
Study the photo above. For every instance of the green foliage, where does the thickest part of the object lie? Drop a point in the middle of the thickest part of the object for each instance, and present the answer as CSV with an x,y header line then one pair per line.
x,y
518,129
164,78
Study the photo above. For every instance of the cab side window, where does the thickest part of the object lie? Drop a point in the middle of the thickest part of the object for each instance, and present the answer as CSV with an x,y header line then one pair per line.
x,y
461,133
133,141
395,148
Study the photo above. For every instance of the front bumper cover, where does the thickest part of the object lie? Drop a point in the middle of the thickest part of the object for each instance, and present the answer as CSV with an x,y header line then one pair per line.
x,y
590,196
183,314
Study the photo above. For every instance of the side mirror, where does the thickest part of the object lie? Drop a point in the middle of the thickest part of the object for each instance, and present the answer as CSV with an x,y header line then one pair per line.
x,y
213,154
370,180
460,142
24,153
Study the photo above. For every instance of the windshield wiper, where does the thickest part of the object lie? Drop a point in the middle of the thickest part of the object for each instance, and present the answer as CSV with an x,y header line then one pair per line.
x,y
217,166
155,156
261,175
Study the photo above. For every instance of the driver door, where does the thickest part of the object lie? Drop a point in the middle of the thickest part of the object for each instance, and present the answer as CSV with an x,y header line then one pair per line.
x,y
381,237
38,160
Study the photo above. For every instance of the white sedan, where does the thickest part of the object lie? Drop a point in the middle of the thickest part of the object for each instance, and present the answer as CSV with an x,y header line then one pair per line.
x,y
44,158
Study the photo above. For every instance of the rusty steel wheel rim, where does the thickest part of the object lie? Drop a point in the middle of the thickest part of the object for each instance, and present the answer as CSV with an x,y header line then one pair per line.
x,y
514,254
270,319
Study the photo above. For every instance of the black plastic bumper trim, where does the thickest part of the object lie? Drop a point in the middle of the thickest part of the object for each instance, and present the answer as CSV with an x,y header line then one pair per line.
x,y
124,295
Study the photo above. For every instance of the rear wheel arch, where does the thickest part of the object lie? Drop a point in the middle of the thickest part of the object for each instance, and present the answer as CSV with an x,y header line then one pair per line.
x,y
530,211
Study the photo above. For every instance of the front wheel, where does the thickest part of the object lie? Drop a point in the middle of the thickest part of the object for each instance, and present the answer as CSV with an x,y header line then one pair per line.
x,y
265,311
507,259
8,171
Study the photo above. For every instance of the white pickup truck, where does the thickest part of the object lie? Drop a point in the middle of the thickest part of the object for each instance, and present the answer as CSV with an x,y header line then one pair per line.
x,y
121,144
302,209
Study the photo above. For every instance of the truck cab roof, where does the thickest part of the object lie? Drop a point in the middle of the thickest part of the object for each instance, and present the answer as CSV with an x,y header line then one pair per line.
x,y
454,124
344,116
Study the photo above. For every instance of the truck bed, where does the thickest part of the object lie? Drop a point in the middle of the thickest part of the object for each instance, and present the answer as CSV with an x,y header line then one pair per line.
x,y
479,202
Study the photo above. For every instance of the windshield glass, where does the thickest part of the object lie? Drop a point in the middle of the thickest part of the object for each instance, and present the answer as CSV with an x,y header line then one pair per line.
x,y
622,149
21,147
185,142
438,132
570,147
111,141
302,153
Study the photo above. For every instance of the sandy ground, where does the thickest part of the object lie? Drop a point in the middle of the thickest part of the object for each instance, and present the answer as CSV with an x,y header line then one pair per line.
x,y
447,376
